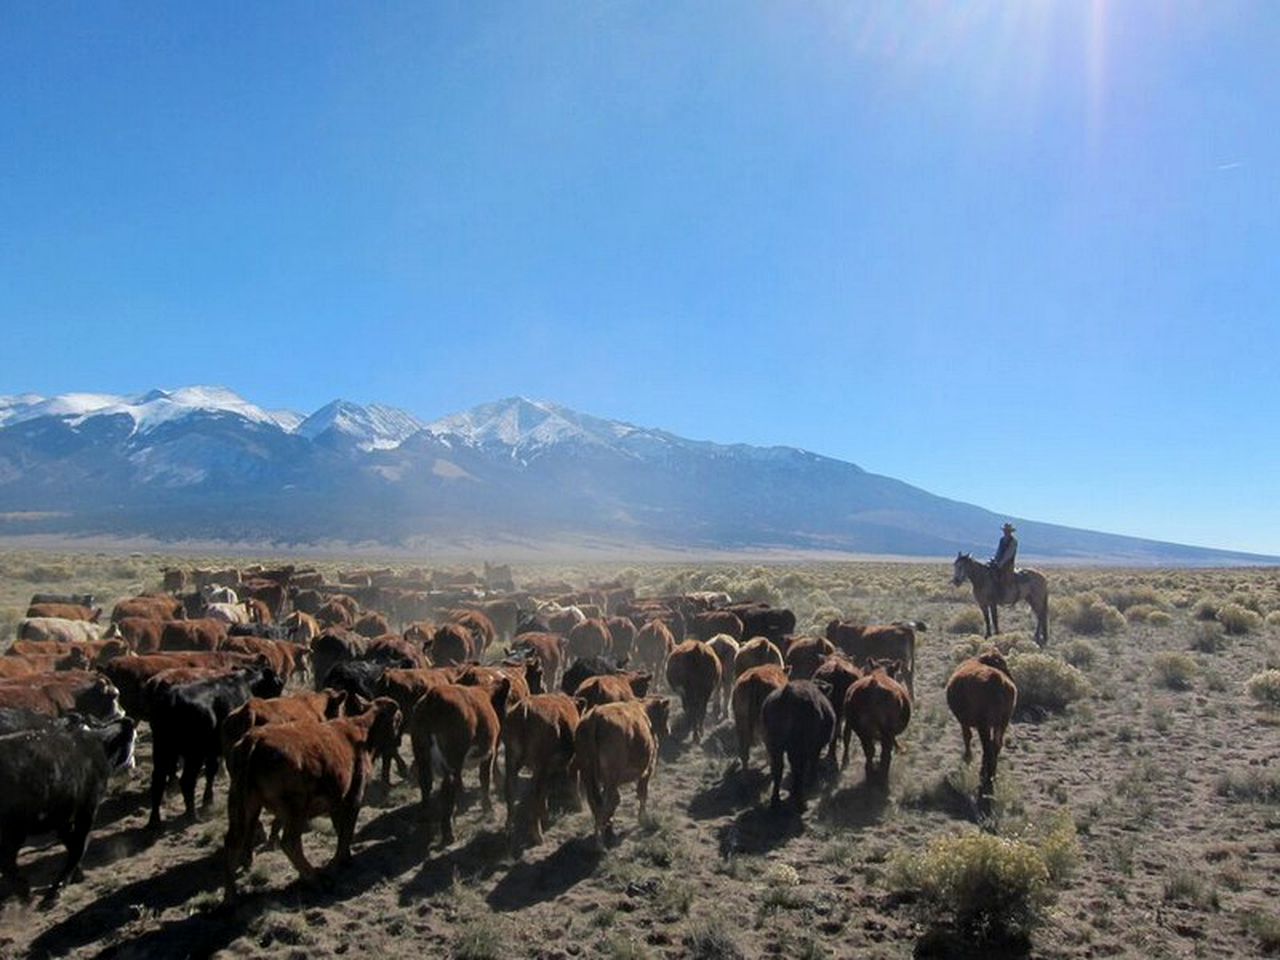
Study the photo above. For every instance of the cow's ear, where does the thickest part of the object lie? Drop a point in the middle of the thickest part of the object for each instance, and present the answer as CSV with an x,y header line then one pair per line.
x,y
581,704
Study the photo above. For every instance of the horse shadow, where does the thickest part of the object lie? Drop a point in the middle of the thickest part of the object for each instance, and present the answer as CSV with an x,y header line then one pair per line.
x,y
527,884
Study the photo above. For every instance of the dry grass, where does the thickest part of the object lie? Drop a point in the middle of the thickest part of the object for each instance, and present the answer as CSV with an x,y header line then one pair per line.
x,y
1152,776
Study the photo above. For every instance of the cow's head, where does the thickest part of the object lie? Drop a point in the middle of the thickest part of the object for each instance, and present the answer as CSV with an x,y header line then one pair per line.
x,y
99,700
658,710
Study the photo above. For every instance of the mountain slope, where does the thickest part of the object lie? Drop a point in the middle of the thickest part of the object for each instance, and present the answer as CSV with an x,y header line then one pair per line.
x,y
204,462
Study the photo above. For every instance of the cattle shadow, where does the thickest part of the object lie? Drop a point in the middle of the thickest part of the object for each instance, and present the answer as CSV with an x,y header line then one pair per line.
x,y
758,830
732,792
478,858
106,914
863,804
102,851
528,883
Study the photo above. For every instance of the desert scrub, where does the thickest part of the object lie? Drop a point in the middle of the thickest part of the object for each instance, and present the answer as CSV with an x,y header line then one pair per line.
x,y
1088,614
1045,682
1252,785
1264,687
985,887
1175,671
1239,620
1080,653
1125,598
967,620
1272,620
974,643
1207,637
1206,608
1145,613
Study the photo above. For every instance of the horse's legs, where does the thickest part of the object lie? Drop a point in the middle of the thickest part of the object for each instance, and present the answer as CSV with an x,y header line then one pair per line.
x,y
995,617
986,619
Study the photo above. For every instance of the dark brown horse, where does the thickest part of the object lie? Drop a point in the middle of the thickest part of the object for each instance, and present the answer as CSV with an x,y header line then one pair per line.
x,y
1029,585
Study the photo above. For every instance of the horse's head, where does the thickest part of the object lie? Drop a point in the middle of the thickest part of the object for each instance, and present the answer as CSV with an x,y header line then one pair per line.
x,y
959,569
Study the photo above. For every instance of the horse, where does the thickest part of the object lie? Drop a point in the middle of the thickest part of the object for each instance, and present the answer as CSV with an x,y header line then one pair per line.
x,y
1030,585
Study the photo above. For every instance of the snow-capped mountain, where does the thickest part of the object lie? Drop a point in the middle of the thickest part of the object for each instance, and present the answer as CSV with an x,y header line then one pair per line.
x,y
205,462
371,427
147,411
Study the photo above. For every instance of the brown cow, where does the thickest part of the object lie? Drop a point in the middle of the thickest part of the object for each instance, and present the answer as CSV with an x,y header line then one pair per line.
x,y
302,627
301,770
480,627
713,622
590,638
65,611
54,694
451,645
617,743
95,651
537,733
982,695
501,613
877,708
837,673
371,625
56,628
804,654
523,677
406,687
193,635
549,648
756,652
693,672
451,726
614,687
281,656
622,633
862,643
749,693
259,711
394,649
725,649
13,665
154,608
141,633
654,643
271,593
333,613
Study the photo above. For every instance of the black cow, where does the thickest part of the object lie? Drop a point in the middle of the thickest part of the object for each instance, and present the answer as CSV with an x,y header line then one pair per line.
x,y
585,667
762,620
798,722
359,677
53,780
75,599
186,722
17,719
261,631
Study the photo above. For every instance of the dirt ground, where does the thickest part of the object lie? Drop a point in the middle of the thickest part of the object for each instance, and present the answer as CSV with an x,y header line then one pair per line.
x,y
1173,862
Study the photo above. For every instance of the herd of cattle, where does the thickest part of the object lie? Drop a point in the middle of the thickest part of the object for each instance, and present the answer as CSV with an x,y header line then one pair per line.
x,y
563,681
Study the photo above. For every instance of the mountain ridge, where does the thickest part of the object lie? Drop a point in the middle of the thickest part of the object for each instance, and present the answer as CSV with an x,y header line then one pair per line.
x,y
204,462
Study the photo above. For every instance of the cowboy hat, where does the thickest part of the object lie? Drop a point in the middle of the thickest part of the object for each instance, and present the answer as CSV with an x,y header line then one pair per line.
x,y
1009,528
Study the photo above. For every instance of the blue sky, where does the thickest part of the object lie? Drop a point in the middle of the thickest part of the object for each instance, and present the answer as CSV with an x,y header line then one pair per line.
x,y
1024,254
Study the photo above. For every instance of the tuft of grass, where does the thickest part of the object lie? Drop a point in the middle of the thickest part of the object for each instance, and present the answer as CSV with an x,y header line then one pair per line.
x,y
618,947
1265,927
711,940
1188,886
1128,598
1045,682
1264,687
1175,671
1238,620
479,939
1206,609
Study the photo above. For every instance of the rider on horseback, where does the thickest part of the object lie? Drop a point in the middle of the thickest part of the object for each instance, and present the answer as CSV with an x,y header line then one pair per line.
x,y
1002,563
